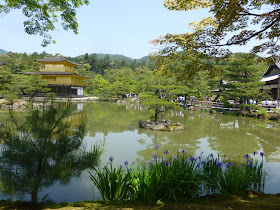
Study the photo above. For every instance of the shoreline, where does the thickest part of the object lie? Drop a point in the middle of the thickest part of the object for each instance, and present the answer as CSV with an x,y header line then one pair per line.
x,y
248,200
207,106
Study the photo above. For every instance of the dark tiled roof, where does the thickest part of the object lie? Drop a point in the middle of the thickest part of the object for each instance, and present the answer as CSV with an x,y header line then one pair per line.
x,y
57,59
48,73
277,65
53,73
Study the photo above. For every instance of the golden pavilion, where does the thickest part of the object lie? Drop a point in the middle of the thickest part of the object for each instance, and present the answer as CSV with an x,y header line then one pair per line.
x,y
61,76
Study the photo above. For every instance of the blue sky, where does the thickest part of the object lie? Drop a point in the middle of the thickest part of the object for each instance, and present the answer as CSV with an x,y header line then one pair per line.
x,y
105,26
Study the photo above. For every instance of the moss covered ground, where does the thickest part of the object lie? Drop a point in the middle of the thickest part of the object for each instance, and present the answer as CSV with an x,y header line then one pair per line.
x,y
248,200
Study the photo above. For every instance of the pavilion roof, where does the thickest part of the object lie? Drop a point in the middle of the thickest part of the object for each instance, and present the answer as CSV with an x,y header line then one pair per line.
x,y
270,68
57,59
54,73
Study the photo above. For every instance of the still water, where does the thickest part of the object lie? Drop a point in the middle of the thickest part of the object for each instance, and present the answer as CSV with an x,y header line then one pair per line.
x,y
115,126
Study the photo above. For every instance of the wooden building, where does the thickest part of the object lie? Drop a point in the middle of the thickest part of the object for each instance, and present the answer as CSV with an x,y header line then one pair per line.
x,y
61,76
271,78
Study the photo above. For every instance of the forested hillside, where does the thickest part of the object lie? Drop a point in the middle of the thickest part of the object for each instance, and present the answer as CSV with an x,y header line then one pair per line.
x,y
3,52
116,75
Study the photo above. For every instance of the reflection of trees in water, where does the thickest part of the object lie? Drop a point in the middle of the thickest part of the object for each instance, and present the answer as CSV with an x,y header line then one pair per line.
x,y
195,129
42,150
109,117
230,135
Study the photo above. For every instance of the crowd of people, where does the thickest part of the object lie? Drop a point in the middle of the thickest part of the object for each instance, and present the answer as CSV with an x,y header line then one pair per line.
x,y
270,103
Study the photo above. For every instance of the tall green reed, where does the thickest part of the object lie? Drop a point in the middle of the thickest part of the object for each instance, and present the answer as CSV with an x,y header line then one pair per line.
x,y
178,177
112,183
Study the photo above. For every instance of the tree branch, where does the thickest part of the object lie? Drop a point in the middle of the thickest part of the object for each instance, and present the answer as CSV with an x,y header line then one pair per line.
x,y
250,37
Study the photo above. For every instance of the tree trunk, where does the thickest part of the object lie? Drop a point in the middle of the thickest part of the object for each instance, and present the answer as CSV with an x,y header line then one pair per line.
x,y
156,114
161,114
185,102
36,186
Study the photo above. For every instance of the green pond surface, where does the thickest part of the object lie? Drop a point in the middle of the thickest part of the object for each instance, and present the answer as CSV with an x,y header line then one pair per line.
x,y
115,126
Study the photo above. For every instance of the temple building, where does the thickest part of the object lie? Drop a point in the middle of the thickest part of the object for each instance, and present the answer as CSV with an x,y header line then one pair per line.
x,y
271,78
61,76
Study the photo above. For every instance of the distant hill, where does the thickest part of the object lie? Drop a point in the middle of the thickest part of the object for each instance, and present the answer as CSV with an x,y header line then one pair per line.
x,y
114,57
3,52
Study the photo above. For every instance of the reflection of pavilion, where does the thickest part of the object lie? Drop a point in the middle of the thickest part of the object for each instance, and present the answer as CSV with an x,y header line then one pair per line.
x,y
271,78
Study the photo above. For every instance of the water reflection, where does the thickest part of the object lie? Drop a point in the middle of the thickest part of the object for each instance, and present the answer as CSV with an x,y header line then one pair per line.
x,y
40,150
116,125
229,135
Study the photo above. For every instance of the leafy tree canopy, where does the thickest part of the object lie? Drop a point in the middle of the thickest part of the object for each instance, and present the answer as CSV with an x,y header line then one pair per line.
x,y
230,23
42,15
214,32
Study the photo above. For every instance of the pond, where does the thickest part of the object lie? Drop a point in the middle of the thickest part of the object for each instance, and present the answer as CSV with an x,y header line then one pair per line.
x,y
115,126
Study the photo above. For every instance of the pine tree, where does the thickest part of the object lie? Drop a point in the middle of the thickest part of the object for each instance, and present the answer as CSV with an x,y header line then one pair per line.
x,y
242,76
42,149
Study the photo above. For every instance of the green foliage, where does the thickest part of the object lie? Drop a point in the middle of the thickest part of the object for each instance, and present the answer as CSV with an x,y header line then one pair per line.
x,y
42,15
178,177
158,105
226,104
41,148
34,85
231,23
249,107
243,74
239,178
111,182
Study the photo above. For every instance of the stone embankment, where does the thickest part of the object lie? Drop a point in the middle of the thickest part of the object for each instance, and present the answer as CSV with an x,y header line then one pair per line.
x,y
162,125
20,104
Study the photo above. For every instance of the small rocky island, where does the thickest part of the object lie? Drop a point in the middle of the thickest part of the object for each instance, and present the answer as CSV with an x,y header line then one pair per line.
x,y
161,125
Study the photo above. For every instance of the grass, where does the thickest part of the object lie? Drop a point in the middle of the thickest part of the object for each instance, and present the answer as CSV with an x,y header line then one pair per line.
x,y
245,200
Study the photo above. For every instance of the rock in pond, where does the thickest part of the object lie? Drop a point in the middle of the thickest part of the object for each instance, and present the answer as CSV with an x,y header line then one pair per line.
x,y
162,125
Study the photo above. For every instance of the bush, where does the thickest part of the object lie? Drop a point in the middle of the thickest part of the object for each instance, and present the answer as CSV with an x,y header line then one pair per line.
x,y
250,107
226,103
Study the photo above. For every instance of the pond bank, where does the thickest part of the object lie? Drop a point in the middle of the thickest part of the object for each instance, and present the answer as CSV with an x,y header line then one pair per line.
x,y
248,200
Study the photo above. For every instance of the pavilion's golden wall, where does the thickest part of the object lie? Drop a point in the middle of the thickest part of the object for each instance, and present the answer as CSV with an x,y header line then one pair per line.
x,y
63,80
57,68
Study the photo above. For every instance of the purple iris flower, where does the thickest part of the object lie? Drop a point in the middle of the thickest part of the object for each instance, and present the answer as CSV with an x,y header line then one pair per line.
x,y
201,162
192,159
166,152
127,168
167,163
183,151
133,163
156,146
211,155
155,156
255,153
219,164
247,156
198,165
126,163
111,158
262,154
229,164
120,166
250,165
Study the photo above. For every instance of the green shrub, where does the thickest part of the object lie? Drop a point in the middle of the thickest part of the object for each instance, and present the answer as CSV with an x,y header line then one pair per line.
x,y
226,103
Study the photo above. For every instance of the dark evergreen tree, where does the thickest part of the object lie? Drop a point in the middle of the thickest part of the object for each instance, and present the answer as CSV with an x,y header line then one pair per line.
x,y
42,149
242,76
